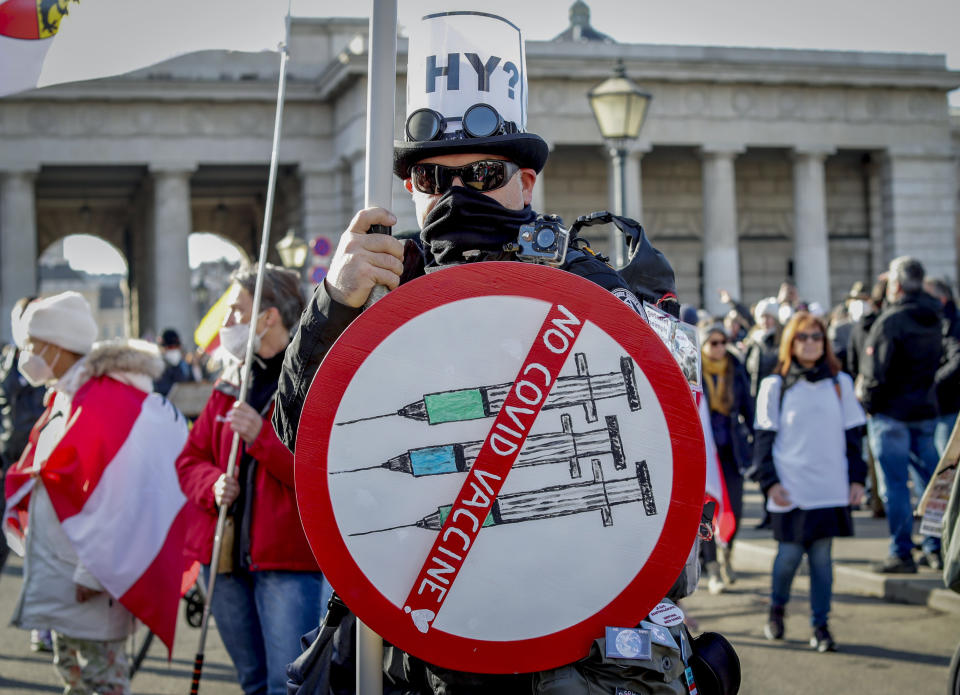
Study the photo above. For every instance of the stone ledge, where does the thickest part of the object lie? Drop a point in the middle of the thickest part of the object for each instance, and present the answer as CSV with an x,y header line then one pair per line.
x,y
895,589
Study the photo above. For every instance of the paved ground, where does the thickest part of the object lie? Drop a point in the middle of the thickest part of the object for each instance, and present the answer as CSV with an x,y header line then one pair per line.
x,y
23,671
896,634
886,646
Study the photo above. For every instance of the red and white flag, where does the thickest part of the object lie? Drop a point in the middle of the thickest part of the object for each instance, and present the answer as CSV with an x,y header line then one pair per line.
x,y
724,523
113,485
44,42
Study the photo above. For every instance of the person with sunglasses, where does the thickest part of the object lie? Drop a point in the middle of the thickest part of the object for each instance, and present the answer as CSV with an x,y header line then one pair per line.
x,y
470,167
727,387
807,450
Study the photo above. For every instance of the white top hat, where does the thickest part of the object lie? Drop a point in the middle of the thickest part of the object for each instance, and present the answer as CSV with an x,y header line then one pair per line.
x,y
467,91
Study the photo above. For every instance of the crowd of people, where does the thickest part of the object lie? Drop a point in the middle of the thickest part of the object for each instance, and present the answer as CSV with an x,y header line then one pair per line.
x,y
827,411
788,388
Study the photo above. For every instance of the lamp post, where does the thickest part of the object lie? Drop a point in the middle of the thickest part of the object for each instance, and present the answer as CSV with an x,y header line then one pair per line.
x,y
293,251
620,107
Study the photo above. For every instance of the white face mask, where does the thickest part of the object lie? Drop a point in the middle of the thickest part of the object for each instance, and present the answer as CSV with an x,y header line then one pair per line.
x,y
35,369
233,339
173,357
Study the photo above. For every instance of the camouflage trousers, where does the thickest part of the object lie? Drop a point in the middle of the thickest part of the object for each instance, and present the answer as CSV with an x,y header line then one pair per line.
x,y
91,667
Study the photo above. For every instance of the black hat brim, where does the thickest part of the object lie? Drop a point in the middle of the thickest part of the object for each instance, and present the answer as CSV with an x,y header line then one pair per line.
x,y
528,150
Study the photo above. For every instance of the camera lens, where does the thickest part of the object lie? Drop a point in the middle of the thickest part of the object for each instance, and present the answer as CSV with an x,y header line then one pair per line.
x,y
423,124
546,237
481,120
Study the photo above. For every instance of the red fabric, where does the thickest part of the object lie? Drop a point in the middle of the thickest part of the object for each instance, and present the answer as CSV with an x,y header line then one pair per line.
x,y
74,467
155,597
102,414
277,540
19,20
19,480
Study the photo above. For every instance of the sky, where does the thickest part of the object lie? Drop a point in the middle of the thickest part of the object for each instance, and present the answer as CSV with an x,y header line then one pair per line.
x,y
918,26
95,256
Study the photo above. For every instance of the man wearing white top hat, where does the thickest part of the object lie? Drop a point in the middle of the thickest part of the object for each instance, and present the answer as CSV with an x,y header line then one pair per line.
x,y
470,166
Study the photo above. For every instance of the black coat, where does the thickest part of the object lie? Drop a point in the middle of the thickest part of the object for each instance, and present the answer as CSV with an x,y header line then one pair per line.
x,y
736,429
948,375
761,358
21,405
901,359
857,343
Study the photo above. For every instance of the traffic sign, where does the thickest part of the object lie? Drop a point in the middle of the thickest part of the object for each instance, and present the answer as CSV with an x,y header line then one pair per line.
x,y
497,461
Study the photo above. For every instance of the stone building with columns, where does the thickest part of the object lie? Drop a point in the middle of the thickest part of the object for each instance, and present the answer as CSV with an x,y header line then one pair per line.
x,y
754,165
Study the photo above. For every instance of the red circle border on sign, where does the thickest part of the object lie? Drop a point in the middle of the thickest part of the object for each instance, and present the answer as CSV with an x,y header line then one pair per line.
x,y
588,301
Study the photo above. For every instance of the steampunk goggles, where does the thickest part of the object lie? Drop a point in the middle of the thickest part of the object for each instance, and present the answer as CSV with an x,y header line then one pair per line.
x,y
478,121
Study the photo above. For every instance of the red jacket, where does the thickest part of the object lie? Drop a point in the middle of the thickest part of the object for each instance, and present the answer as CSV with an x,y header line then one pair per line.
x,y
277,541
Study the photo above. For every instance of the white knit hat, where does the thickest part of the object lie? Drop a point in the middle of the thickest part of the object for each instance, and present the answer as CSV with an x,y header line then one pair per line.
x,y
64,319
765,307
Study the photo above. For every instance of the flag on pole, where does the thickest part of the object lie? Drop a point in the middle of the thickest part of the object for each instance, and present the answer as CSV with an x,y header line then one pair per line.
x,y
207,334
724,522
45,42
116,493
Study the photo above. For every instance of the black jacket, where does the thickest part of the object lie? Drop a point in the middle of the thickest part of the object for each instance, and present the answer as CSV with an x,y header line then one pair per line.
x,y
948,375
21,405
857,343
901,359
763,353
736,429
321,324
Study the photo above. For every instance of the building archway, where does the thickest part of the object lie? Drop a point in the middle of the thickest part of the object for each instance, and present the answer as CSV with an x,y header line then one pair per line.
x,y
96,269
212,257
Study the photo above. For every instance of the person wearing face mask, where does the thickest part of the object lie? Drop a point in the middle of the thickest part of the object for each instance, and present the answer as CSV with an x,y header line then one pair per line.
x,y
20,406
80,459
470,167
175,369
269,590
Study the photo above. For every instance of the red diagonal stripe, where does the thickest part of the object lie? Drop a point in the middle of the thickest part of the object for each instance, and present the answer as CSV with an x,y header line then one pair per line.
x,y
537,375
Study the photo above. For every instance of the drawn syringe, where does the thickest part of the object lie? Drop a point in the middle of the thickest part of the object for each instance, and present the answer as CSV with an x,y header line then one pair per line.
x,y
557,500
552,447
485,401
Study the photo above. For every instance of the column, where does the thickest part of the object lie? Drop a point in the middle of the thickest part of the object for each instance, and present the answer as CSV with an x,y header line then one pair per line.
x,y
18,242
721,253
172,305
919,190
811,255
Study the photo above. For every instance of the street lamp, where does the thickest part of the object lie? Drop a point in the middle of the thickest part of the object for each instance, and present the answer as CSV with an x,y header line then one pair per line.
x,y
620,108
293,250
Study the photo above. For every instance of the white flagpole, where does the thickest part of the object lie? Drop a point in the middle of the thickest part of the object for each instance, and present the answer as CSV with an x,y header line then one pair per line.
x,y
381,110
248,359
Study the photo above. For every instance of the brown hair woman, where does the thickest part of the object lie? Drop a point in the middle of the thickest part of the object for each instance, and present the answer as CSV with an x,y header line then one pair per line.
x,y
807,452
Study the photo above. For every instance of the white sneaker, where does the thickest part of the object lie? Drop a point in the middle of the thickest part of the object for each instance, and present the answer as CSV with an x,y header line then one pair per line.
x,y
41,641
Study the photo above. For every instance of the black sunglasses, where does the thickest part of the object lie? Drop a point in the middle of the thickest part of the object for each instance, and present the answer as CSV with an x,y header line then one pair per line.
x,y
479,121
483,175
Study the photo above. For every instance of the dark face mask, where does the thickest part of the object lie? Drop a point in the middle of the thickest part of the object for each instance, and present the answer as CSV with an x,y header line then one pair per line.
x,y
466,220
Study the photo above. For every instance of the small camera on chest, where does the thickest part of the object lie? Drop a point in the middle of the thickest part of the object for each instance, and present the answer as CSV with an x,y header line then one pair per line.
x,y
544,241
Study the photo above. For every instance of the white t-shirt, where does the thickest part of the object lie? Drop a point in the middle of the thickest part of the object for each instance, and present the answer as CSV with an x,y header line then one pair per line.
x,y
810,450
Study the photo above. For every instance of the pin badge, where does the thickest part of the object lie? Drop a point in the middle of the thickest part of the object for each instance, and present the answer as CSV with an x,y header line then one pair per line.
x,y
628,643
666,614
659,634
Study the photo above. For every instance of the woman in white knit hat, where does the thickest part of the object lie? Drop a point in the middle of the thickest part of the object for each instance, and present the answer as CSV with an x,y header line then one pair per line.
x,y
60,592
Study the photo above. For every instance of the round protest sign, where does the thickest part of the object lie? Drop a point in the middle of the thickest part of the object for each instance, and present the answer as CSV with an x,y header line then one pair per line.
x,y
497,461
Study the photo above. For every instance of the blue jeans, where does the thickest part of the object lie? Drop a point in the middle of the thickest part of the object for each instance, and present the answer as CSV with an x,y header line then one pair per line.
x,y
941,433
261,616
785,567
897,446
